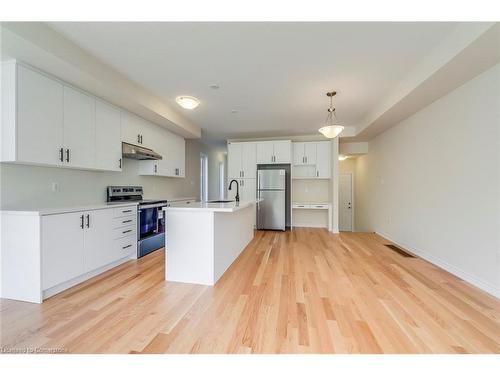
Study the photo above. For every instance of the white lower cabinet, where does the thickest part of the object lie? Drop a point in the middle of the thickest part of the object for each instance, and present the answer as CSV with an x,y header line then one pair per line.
x,y
62,248
98,239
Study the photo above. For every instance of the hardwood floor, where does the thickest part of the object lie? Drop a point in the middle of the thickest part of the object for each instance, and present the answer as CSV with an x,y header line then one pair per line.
x,y
306,291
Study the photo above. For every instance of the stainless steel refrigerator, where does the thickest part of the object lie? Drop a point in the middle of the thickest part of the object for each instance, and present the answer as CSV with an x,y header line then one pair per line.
x,y
271,192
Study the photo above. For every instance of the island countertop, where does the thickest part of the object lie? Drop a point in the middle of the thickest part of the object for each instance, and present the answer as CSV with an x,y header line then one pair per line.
x,y
210,207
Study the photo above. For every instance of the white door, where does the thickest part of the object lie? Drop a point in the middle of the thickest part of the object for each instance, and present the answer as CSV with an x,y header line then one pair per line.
x,y
248,160
62,248
98,239
79,129
310,152
298,153
282,152
265,152
108,137
323,157
40,118
345,202
234,160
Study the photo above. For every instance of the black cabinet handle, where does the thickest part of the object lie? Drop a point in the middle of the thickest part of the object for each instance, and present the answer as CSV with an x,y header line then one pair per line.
x,y
61,154
126,247
67,155
138,138
88,221
126,211
141,139
81,224
120,163
126,221
156,168
127,231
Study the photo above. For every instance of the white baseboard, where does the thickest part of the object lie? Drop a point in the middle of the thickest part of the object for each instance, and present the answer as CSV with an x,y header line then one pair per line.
x,y
454,270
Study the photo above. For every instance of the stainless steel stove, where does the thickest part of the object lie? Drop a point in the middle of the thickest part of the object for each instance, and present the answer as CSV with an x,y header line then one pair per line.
x,y
150,218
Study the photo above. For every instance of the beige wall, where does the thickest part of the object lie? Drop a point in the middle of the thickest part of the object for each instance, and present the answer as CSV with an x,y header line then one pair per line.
x,y
30,186
432,183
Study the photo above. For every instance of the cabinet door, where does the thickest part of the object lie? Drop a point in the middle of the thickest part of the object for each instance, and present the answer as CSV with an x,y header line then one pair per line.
x,y
298,153
234,152
108,137
98,239
62,248
265,152
178,155
39,118
323,157
131,128
282,151
248,160
79,129
248,189
310,153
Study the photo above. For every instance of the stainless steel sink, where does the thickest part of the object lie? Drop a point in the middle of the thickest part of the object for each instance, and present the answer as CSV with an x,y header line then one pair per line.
x,y
220,201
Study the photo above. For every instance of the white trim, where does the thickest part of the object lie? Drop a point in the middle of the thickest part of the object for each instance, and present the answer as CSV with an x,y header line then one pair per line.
x,y
454,270
308,225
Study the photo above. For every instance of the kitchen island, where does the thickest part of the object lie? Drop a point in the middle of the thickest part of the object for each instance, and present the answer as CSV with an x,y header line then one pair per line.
x,y
203,239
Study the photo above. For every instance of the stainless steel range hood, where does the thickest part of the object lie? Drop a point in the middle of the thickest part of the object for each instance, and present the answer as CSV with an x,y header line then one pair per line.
x,y
137,152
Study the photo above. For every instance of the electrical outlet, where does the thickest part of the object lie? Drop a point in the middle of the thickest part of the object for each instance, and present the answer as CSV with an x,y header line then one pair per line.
x,y
55,187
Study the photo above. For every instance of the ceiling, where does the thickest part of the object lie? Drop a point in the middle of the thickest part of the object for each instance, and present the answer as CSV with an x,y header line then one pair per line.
x,y
275,75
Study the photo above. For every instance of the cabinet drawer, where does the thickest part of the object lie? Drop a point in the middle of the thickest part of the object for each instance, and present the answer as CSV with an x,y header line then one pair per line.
x,y
124,232
125,246
125,221
125,211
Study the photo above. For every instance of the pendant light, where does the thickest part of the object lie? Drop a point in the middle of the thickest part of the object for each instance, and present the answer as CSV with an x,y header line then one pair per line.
x,y
331,130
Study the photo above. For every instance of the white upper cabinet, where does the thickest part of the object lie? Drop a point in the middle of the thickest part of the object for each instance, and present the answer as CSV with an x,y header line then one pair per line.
x,y
108,148
48,122
304,153
242,160
172,149
132,129
311,159
323,162
79,129
282,152
39,118
274,152
234,160
265,152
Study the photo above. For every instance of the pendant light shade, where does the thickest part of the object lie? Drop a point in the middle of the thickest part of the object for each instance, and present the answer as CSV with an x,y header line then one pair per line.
x,y
331,130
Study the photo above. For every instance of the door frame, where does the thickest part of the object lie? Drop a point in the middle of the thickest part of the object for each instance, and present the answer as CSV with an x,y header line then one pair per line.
x,y
352,198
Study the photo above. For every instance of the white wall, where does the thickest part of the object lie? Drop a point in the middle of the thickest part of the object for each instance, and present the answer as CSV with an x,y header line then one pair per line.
x,y
432,183
24,186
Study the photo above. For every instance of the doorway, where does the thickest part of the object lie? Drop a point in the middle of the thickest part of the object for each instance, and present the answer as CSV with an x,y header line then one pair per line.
x,y
345,202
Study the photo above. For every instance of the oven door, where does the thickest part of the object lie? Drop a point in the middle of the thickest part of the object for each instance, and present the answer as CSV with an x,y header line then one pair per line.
x,y
148,222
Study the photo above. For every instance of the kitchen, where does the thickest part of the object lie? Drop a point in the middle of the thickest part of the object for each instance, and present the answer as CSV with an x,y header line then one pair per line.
x,y
214,196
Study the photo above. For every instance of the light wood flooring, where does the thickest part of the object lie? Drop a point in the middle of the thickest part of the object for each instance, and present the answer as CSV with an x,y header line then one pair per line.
x,y
306,291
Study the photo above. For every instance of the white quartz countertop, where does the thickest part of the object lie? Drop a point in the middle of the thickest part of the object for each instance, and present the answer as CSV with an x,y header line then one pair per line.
x,y
62,210
210,207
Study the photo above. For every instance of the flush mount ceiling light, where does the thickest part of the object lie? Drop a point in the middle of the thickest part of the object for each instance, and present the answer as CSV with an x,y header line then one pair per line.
x,y
187,102
331,128
342,157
